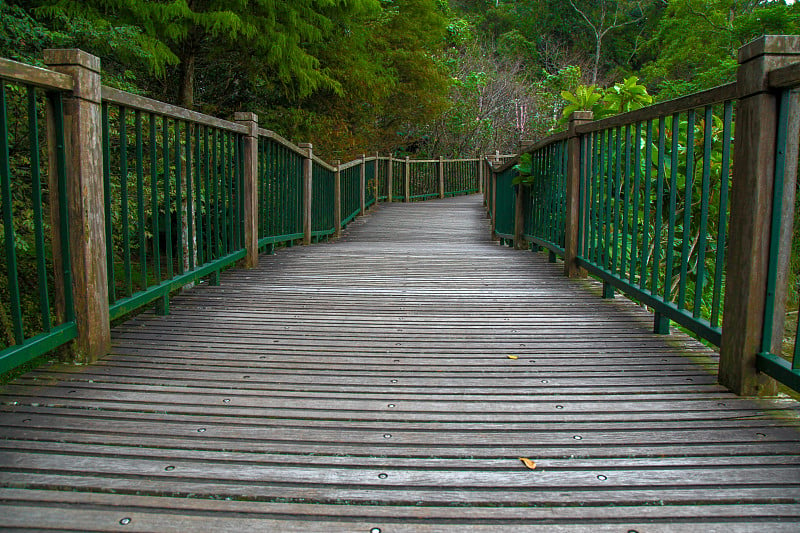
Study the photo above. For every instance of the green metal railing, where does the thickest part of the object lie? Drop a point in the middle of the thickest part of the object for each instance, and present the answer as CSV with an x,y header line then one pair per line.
x,y
37,310
460,176
369,182
173,208
350,179
783,366
280,193
322,205
544,204
505,204
398,182
424,179
383,178
655,211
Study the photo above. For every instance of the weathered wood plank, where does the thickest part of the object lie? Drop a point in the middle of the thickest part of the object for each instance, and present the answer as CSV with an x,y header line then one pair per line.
x,y
278,399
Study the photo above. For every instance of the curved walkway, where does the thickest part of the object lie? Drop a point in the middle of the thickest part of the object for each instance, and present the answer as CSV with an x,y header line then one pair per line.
x,y
390,382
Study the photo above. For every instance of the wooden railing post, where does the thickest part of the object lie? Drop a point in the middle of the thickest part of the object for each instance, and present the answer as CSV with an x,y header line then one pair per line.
x,y
751,202
407,179
308,179
337,200
85,206
441,177
363,185
389,180
250,192
573,216
377,178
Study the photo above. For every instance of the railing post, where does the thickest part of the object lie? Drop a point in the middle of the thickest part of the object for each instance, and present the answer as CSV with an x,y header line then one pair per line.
x,y
377,179
407,179
390,179
85,204
308,179
573,217
519,216
441,177
751,202
250,192
337,200
363,184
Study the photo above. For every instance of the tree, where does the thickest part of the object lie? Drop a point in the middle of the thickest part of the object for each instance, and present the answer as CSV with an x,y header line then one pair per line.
x,y
604,16
696,41
270,37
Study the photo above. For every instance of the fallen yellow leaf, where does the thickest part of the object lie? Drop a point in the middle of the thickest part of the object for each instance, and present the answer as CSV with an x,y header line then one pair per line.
x,y
527,462
513,357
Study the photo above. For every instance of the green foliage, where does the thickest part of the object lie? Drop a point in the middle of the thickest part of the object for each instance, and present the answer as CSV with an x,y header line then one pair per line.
x,y
627,96
620,98
585,98
524,170
695,42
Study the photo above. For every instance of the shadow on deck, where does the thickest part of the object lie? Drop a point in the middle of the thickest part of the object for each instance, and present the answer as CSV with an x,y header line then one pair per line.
x,y
390,382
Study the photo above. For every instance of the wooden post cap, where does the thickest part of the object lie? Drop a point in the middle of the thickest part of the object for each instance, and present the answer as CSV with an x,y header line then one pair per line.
x,y
71,56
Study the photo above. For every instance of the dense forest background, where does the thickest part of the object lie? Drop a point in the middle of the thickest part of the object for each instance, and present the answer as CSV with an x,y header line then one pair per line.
x,y
426,77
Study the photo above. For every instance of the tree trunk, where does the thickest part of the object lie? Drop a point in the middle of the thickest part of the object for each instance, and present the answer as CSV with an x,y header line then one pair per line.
x,y
186,91
597,46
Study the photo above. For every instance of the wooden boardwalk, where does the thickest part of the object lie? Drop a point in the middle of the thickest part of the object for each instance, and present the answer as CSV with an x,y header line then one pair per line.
x,y
390,382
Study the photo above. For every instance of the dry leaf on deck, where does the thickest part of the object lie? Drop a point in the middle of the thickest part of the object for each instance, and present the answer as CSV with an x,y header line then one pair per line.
x,y
527,462
513,356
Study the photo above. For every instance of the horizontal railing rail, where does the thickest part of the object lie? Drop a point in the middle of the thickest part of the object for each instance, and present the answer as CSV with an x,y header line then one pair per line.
x,y
652,203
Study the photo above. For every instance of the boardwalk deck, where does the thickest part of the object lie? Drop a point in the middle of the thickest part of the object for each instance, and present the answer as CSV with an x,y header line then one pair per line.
x,y
366,385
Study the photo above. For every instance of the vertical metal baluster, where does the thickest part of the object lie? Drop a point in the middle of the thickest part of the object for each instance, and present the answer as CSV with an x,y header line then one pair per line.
x,y
215,193
140,211
198,196
687,207
617,184
703,235
673,198
635,220
123,186
608,186
648,167
626,202
178,197
154,198
190,236
719,263
36,200
167,200
583,204
112,293
224,189
659,206
8,222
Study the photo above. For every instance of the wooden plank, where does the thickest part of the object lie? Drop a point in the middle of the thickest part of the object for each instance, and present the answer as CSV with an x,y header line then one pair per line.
x,y
278,399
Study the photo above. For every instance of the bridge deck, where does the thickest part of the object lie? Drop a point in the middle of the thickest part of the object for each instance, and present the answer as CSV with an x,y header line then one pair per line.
x,y
367,384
